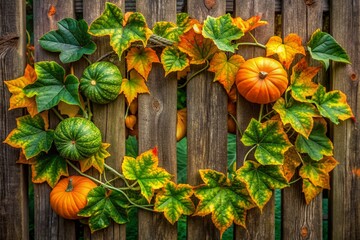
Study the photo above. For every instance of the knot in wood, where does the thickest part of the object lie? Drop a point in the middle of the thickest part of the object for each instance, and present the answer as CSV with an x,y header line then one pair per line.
x,y
210,4
156,105
304,232
309,2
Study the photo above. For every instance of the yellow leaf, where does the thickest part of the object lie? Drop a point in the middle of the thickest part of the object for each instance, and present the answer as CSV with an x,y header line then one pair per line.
x,y
141,60
97,160
18,98
249,24
291,162
133,86
286,51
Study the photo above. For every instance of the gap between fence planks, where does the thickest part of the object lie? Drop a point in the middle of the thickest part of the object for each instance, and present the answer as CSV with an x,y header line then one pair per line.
x,y
13,176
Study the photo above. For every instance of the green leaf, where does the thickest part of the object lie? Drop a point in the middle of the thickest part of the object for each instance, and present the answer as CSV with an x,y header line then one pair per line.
x,y
111,23
50,87
226,200
270,141
173,60
132,147
298,115
102,206
144,169
97,160
48,167
318,144
323,47
222,31
31,136
332,105
181,159
260,180
174,200
71,39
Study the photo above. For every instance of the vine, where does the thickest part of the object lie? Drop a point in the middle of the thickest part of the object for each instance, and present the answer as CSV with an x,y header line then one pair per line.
x,y
288,137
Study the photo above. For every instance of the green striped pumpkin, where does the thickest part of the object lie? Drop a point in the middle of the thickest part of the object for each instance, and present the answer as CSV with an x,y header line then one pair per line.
x,y
101,82
77,138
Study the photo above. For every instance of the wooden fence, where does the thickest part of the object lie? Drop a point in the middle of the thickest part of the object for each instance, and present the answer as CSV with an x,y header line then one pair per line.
x,y
206,121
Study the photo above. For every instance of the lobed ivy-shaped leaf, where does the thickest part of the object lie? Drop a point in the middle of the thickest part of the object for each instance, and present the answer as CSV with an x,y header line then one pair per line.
x,y
121,36
173,60
18,98
260,180
31,136
302,85
51,86
48,168
133,86
102,206
332,105
97,160
71,39
250,24
226,201
291,162
310,190
323,47
298,114
141,60
144,169
269,140
225,69
317,144
174,200
222,31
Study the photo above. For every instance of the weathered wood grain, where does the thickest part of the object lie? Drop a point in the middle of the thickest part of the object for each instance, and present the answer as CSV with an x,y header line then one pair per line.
x,y
302,19
246,110
13,176
345,193
157,119
206,124
108,118
48,225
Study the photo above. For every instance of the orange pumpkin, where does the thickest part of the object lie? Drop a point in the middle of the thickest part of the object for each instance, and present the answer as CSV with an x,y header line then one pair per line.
x,y
68,196
181,124
261,80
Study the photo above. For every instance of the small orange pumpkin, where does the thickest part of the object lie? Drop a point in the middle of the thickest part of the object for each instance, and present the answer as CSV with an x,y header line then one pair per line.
x,y
261,80
69,195
181,124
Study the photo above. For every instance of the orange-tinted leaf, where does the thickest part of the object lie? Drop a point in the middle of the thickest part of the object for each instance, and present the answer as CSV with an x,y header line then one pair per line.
x,y
249,24
197,47
356,172
310,190
291,162
22,159
97,160
141,60
133,86
181,124
18,98
286,51
225,69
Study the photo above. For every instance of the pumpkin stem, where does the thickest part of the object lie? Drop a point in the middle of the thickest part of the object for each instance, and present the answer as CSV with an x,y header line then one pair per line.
x,y
262,74
70,186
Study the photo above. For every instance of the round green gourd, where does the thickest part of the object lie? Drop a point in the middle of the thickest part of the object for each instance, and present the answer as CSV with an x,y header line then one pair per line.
x,y
101,82
77,138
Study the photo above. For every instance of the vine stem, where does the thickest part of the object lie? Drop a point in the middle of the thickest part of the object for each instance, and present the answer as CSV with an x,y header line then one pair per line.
x,y
104,56
87,59
261,111
250,150
267,114
237,124
89,109
57,114
252,44
109,187
196,73
127,110
292,182
117,174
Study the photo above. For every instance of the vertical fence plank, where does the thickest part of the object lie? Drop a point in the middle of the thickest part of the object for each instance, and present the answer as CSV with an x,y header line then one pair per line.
x,y
303,19
245,111
157,119
108,118
206,125
345,193
47,224
13,177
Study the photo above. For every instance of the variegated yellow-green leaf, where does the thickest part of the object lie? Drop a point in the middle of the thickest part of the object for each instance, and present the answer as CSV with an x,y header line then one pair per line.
x,y
52,86
31,136
48,168
222,31
270,140
174,200
104,205
144,169
133,87
111,23
141,60
317,144
71,39
97,160
260,180
298,114
302,85
291,162
315,176
226,200
173,60
225,69
332,105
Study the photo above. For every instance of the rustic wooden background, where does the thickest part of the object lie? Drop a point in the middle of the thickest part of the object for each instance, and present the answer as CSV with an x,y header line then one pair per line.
x,y
207,133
